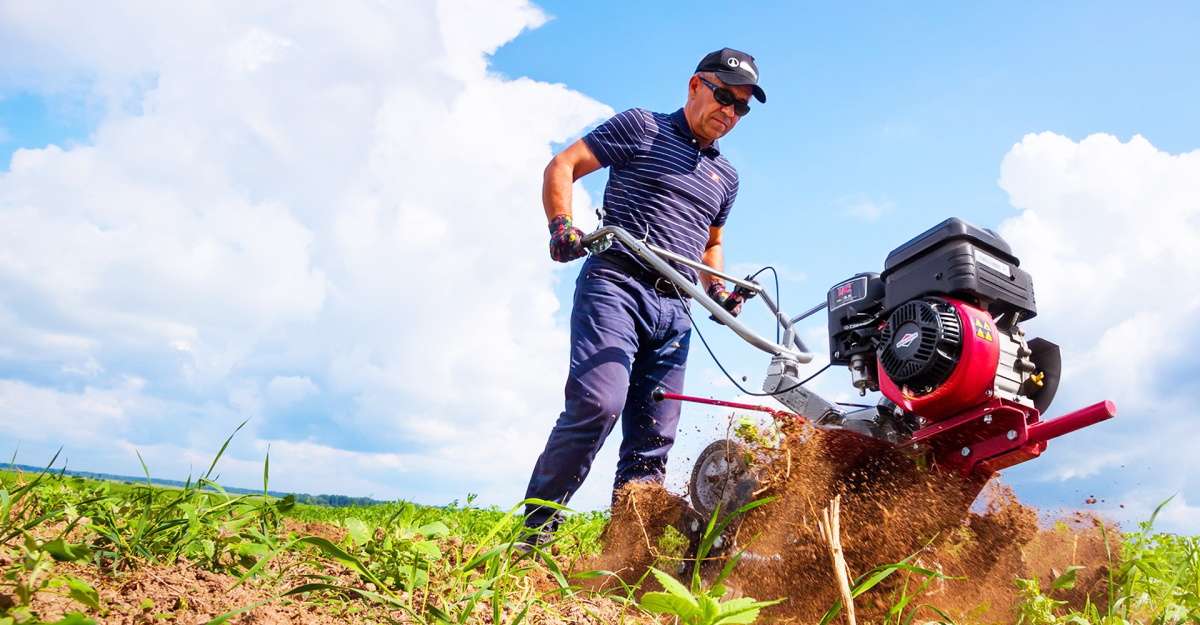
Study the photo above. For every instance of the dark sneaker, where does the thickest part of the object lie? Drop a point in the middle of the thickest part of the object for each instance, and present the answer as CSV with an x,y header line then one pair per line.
x,y
537,537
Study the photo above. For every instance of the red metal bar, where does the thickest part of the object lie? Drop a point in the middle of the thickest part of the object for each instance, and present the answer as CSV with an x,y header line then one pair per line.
x,y
1091,415
713,402
660,395
967,418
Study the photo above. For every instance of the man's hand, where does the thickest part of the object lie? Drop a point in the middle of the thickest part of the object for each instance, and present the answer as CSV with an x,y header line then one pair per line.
x,y
731,302
566,241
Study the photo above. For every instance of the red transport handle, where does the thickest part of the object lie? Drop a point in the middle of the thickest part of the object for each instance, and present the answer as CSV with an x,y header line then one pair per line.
x,y
1065,424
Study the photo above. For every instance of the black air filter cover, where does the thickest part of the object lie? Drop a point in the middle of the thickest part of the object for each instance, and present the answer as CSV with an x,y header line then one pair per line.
x,y
958,259
920,343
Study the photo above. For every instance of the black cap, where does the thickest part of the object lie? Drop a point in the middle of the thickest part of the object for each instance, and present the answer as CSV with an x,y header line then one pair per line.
x,y
733,67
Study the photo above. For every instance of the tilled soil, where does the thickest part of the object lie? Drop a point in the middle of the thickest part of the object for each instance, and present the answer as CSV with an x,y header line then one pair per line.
x,y
186,593
891,510
631,540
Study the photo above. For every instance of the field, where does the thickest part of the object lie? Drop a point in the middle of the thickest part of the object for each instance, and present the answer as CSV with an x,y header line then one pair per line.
x,y
76,551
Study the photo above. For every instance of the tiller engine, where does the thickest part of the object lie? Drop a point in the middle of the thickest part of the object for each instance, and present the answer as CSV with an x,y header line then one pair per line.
x,y
938,334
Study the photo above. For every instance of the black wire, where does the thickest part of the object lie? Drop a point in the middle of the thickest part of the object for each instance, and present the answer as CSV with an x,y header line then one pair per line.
x,y
777,299
688,309
802,382
797,385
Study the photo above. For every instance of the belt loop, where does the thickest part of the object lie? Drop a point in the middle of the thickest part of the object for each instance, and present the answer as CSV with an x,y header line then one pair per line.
x,y
669,289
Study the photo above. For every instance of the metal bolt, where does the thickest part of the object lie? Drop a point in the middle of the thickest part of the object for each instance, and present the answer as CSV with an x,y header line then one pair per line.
x,y
988,393
987,419
966,451
1012,435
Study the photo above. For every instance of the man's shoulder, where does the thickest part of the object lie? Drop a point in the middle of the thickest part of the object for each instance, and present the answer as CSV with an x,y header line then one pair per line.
x,y
644,118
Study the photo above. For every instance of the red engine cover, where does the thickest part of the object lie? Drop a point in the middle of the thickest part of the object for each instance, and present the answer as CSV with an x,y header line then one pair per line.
x,y
972,379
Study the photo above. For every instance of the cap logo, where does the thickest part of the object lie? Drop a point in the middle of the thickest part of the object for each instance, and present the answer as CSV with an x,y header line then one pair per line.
x,y
732,62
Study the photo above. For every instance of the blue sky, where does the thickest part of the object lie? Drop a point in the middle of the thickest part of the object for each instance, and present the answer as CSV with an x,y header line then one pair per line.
x,y
209,239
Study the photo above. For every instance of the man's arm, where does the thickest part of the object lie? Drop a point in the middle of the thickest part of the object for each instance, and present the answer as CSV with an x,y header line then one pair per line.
x,y
714,256
564,169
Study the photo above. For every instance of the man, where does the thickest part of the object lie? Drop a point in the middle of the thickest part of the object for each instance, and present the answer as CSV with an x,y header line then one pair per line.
x,y
630,329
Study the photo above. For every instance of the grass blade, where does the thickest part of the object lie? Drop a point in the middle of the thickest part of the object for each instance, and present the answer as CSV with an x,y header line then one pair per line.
x,y
266,470
224,446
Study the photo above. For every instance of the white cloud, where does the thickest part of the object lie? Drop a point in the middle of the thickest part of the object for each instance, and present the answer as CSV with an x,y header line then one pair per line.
x,y
285,390
291,466
1076,463
288,209
30,412
1110,231
1178,513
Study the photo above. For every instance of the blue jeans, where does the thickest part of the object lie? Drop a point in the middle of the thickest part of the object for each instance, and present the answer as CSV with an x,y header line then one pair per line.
x,y
626,340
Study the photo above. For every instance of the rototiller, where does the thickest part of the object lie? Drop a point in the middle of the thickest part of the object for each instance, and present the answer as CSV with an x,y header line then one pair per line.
x,y
938,333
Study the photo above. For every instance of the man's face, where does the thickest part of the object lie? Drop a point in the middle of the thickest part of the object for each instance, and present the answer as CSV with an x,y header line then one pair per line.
x,y
709,119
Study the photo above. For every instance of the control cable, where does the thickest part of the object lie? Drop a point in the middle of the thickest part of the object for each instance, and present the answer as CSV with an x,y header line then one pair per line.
x,y
688,310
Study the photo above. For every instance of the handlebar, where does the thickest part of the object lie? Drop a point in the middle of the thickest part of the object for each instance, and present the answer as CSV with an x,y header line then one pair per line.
x,y
601,239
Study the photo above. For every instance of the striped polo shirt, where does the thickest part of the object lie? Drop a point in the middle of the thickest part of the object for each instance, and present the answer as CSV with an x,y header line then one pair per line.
x,y
661,182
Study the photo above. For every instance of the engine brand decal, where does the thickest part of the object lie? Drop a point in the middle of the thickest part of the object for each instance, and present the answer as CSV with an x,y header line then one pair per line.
x,y
848,292
907,340
983,329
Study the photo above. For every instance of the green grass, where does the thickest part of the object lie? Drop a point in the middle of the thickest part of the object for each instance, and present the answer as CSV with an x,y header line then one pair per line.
x,y
446,564
434,564
579,533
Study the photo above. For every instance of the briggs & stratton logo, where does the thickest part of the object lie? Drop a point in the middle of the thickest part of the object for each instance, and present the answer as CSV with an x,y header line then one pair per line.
x,y
907,340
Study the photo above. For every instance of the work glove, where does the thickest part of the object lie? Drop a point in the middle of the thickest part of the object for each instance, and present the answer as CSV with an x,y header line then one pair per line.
x,y
731,302
566,241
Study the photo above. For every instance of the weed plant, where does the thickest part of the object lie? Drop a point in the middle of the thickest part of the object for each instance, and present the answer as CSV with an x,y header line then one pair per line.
x,y
701,603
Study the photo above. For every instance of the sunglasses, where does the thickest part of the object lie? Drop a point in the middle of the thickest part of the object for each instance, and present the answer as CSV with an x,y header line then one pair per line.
x,y
725,97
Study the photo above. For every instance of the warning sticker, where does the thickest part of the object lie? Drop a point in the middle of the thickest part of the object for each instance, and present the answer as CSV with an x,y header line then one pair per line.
x,y
992,262
983,329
